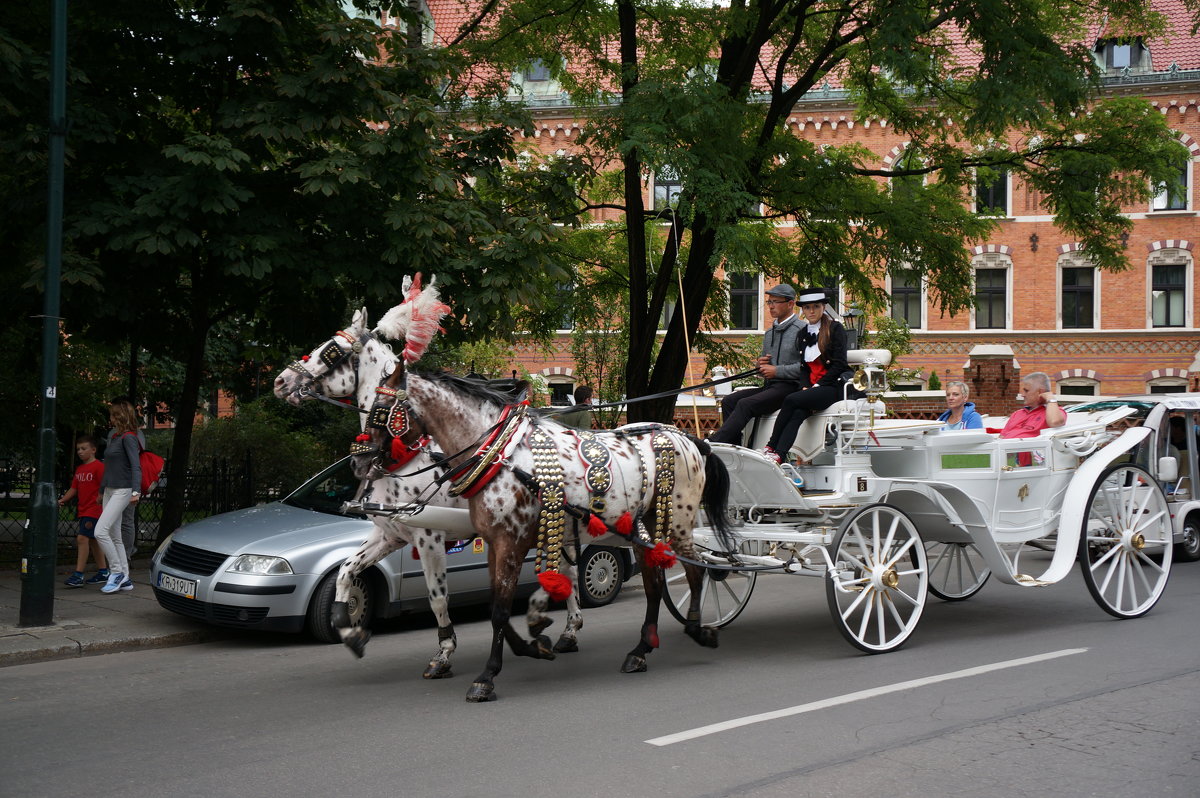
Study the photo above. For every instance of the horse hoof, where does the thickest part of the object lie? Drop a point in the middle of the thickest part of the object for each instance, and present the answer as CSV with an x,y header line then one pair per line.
x,y
705,636
634,664
544,649
356,641
437,670
566,645
480,693
535,629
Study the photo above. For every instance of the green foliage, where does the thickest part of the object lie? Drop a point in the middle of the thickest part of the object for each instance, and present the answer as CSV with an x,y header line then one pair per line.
x,y
282,455
935,383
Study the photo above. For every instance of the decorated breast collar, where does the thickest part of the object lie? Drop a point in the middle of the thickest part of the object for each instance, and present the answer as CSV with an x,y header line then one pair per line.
x,y
491,454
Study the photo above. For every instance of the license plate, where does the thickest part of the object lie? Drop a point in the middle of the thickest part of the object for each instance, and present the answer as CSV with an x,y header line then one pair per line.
x,y
181,587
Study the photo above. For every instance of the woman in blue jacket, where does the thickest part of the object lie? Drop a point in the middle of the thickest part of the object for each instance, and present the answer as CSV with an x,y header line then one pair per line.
x,y
960,414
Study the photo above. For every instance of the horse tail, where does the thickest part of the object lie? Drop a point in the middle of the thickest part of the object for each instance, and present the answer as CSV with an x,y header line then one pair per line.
x,y
716,495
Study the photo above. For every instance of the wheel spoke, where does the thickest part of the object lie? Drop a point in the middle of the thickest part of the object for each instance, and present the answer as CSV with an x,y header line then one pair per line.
x,y
908,544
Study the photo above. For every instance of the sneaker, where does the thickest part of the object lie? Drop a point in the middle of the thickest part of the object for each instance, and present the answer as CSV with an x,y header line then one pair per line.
x,y
127,585
771,455
75,579
115,579
98,577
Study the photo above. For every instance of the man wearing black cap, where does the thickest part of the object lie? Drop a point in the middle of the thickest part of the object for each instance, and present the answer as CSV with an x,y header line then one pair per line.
x,y
781,364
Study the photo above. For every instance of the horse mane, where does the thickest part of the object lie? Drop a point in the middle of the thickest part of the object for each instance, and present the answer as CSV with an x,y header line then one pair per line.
x,y
476,389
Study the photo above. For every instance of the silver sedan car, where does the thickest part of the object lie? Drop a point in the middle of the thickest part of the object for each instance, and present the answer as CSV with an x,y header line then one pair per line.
x,y
273,567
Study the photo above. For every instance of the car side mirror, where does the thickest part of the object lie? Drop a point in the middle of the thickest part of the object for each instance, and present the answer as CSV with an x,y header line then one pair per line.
x,y
1168,469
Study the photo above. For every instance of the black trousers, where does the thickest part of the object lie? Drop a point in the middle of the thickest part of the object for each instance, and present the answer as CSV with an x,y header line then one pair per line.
x,y
741,406
796,408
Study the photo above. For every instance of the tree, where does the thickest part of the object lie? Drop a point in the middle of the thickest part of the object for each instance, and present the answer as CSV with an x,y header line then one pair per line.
x,y
245,167
660,78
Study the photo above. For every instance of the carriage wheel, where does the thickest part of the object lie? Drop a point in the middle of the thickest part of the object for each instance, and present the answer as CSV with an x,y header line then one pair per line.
x,y
956,570
877,588
723,594
1125,546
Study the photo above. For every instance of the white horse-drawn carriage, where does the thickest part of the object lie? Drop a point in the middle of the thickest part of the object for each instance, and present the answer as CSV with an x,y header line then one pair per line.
x,y
891,510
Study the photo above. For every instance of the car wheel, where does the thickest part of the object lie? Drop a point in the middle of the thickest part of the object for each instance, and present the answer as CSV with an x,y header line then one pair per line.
x,y
320,609
1188,549
600,576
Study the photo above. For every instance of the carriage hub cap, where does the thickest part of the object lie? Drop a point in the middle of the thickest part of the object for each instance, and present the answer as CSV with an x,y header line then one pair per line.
x,y
890,578
1138,541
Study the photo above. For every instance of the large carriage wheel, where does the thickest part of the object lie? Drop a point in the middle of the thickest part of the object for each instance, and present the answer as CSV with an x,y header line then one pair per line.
x,y
1125,545
877,589
956,570
723,594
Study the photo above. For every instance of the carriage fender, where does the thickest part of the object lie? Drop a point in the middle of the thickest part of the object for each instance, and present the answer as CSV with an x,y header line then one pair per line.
x,y
1075,500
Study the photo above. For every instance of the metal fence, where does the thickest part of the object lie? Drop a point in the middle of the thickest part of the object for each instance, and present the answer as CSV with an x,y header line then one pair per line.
x,y
221,486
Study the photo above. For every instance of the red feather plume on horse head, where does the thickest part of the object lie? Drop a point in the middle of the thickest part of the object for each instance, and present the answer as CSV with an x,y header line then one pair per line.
x,y
415,320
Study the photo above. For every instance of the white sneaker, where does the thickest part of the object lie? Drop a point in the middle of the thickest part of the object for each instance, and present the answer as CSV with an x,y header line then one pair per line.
x,y
115,580
127,585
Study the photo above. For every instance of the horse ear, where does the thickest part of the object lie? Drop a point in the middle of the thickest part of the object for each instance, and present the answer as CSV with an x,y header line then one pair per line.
x,y
521,390
365,324
359,321
405,285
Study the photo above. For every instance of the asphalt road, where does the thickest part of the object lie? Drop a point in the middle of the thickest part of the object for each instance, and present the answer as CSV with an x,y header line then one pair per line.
x,y
1038,692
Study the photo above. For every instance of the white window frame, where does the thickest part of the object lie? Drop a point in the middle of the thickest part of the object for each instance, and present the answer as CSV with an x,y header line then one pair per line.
x,y
1008,198
1158,199
1172,257
1177,384
1078,382
995,260
760,317
923,300
1075,260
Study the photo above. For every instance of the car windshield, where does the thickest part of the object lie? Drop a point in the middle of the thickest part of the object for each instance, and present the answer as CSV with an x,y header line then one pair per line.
x,y
1141,409
327,490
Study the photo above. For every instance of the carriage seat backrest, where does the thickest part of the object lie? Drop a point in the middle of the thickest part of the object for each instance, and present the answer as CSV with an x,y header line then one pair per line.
x,y
811,439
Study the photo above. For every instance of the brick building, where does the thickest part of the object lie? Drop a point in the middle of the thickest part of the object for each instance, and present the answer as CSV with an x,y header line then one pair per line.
x,y
1093,332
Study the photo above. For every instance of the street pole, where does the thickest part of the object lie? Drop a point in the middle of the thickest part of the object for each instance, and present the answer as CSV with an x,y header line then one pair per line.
x,y
37,564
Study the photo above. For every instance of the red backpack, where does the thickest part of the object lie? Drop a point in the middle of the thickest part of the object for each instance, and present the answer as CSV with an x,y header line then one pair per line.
x,y
152,467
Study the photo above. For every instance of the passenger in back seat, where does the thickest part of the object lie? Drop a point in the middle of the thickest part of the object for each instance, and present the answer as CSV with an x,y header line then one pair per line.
x,y
825,371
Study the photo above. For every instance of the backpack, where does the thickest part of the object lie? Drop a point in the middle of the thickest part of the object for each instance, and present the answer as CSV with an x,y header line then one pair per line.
x,y
152,467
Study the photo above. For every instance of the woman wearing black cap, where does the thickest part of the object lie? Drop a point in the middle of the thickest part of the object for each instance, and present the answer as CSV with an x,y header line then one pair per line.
x,y
825,368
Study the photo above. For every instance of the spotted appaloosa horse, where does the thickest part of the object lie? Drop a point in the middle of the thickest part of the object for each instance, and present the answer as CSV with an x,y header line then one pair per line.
x,y
343,372
459,414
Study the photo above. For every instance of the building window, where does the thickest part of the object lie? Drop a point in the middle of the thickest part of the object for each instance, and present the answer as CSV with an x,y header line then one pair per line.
x,y
906,298
991,299
1077,386
907,186
1117,54
1078,297
1173,195
566,315
561,394
537,72
1167,295
1167,386
745,300
667,188
991,197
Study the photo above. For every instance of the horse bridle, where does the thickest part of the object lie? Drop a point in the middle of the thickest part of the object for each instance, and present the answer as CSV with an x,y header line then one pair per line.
x,y
331,355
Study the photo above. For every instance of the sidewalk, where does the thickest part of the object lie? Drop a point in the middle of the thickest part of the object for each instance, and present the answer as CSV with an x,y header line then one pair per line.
x,y
88,622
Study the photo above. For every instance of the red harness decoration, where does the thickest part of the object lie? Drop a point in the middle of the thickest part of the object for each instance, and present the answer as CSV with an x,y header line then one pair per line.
x,y
489,457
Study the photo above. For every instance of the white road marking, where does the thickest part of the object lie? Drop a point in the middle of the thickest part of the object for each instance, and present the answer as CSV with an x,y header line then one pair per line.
x,y
861,695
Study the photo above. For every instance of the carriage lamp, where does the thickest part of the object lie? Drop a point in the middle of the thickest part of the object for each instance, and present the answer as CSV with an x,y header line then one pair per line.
x,y
856,325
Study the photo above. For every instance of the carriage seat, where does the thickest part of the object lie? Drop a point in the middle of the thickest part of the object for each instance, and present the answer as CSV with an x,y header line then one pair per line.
x,y
810,441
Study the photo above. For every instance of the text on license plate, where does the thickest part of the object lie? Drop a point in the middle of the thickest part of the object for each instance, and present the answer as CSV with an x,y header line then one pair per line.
x,y
173,584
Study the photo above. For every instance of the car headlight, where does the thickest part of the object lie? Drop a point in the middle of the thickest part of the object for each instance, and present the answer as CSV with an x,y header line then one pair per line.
x,y
260,564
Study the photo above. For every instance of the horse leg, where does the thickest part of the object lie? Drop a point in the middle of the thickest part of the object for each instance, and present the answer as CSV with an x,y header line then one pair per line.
x,y
704,635
382,542
536,615
430,546
635,660
568,640
504,571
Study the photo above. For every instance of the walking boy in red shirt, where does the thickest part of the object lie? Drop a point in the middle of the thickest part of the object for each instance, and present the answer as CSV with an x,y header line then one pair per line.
x,y
86,485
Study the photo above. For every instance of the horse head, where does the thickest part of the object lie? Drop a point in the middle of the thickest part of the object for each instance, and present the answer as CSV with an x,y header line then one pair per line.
x,y
331,368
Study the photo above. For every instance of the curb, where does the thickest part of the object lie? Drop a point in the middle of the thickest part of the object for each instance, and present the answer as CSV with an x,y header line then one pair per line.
x,y
74,649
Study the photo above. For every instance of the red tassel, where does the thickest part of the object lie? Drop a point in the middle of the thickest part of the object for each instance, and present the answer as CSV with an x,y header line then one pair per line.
x,y
304,358
596,527
362,437
398,449
660,556
625,524
416,554
557,586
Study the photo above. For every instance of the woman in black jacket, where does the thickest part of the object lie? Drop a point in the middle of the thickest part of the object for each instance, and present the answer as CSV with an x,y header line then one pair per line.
x,y
824,343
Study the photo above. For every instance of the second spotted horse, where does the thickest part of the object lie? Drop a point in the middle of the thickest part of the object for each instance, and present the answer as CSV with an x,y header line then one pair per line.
x,y
529,480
